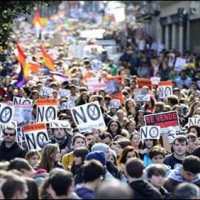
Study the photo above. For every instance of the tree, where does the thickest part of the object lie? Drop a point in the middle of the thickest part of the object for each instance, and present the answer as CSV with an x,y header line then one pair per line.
x,y
9,12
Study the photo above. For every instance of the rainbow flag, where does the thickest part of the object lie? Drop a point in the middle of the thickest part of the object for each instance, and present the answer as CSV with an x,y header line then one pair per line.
x,y
48,60
21,58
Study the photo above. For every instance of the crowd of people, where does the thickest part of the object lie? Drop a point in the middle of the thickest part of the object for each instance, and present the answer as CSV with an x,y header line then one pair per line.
x,y
111,162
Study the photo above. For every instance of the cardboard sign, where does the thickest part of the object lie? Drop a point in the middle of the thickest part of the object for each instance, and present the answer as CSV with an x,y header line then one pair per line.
x,y
88,116
46,91
171,59
93,85
179,64
23,115
46,110
193,121
155,80
141,95
35,135
113,87
144,82
67,105
118,96
149,132
114,103
119,78
59,124
6,113
164,120
63,92
22,101
165,89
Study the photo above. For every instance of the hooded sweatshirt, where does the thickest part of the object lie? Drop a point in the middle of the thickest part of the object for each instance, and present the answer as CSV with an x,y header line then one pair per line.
x,y
84,193
144,190
175,179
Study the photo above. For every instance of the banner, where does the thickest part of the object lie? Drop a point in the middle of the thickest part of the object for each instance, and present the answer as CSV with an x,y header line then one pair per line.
x,y
165,89
119,78
141,95
23,114
6,113
114,103
144,82
36,135
46,110
88,116
193,121
67,105
93,85
149,132
59,124
164,120
22,101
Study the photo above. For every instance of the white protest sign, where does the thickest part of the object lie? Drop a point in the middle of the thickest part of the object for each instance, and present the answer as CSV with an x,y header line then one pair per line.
x,y
193,121
59,124
113,87
179,64
149,132
141,95
63,92
164,89
88,116
171,134
171,59
67,105
22,101
35,135
114,103
46,91
23,114
155,80
46,110
6,113
93,85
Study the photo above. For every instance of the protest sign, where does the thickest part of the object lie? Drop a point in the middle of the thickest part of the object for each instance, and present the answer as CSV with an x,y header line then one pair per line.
x,y
113,87
165,89
149,132
119,78
59,124
193,121
63,92
88,116
6,113
171,59
22,101
93,85
164,120
179,64
144,82
155,80
114,103
36,135
46,110
46,91
23,114
141,95
67,105
118,96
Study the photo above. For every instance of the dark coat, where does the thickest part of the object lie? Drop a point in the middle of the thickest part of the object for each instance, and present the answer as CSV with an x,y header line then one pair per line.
x,y
144,190
7,154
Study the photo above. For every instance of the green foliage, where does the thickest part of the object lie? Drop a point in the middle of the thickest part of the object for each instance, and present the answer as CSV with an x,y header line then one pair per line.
x,y
11,10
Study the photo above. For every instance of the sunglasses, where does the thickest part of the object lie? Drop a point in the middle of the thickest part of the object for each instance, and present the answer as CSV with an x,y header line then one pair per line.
x,y
10,134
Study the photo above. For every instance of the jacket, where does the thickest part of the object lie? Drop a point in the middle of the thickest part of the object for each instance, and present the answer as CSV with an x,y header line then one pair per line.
x,y
7,154
144,190
84,193
175,178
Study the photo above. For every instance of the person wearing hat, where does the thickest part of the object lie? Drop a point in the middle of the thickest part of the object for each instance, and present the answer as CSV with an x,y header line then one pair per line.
x,y
73,92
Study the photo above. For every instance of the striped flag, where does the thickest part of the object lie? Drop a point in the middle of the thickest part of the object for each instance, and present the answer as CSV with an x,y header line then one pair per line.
x,y
48,60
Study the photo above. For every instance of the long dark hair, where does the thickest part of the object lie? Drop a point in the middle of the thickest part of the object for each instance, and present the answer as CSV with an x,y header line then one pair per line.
x,y
119,130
